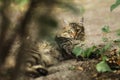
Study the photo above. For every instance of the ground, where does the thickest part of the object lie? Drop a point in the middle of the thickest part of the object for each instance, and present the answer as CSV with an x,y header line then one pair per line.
x,y
85,70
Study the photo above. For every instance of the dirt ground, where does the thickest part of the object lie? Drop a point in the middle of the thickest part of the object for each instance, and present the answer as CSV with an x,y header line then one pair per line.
x,y
85,70
97,14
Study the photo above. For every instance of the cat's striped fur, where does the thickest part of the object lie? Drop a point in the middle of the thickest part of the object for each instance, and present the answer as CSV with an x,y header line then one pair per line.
x,y
66,44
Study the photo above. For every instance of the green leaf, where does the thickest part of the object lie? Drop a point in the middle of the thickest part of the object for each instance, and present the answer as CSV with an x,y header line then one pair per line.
x,y
116,4
88,51
103,67
105,48
106,29
104,58
104,39
77,51
84,53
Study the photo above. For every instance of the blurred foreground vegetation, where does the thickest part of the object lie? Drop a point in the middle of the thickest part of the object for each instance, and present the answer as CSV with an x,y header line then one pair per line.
x,y
27,20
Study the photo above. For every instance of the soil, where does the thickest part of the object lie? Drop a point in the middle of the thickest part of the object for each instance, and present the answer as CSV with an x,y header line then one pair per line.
x,y
85,70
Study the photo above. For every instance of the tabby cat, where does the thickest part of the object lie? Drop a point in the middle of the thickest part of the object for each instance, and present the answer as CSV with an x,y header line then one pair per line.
x,y
66,44
39,56
78,30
